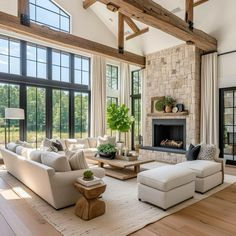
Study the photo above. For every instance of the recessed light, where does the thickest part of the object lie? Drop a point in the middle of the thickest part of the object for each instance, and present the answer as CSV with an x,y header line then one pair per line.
x,y
110,19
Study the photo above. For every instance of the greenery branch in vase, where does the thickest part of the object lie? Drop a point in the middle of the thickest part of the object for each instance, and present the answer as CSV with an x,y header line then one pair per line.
x,y
118,119
169,103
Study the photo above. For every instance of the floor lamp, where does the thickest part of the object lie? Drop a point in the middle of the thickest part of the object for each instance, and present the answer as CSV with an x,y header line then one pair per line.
x,y
13,114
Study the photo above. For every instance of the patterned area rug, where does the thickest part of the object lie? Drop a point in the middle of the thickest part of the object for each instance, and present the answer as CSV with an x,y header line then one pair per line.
x,y
124,213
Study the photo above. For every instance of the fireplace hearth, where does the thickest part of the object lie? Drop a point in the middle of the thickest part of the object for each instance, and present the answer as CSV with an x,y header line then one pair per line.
x,y
169,134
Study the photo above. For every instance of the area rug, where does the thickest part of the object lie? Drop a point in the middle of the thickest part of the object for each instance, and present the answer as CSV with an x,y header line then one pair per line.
x,y
124,213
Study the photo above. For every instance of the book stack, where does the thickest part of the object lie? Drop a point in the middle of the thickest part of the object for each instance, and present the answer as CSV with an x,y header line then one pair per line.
x,y
89,183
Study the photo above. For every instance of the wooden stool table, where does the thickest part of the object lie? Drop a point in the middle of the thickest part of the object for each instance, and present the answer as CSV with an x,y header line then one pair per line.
x,y
88,206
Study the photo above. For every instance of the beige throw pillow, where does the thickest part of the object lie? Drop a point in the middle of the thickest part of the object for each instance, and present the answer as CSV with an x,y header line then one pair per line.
x,y
23,144
12,146
207,152
57,162
105,140
92,142
77,160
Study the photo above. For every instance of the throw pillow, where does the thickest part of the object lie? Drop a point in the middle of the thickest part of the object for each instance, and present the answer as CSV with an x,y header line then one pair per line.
x,y
57,145
46,142
84,142
102,140
23,144
77,160
207,152
111,140
70,143
24,151
57,162
36,156
192,152
12,146
52,149
92,142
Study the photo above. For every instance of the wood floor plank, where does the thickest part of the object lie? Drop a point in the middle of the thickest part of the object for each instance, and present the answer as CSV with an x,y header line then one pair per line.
x,y
5,229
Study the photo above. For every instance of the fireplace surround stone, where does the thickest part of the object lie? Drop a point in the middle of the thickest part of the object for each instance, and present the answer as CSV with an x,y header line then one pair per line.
x,y
172,72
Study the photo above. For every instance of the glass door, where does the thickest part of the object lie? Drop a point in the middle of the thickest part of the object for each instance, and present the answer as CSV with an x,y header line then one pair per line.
x,y
228,125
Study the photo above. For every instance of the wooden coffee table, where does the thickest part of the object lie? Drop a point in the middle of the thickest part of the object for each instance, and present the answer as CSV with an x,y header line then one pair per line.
x,y
120,169
88,205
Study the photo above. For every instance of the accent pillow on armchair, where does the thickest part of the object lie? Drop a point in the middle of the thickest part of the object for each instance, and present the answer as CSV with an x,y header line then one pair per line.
x,y
208,152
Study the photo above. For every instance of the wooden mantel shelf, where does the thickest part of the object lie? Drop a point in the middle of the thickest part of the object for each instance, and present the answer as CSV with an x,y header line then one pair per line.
x,y
164,114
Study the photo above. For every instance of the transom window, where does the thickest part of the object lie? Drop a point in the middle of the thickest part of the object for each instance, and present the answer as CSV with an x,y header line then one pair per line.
x,y
10,55
46,12
60,66
112,77
36,61
112,100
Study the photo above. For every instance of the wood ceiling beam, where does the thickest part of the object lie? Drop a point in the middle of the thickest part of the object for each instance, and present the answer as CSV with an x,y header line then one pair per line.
x,y
189,13
152,14
121,31
131,24
12,23
23,11
199,2
88,3
140,32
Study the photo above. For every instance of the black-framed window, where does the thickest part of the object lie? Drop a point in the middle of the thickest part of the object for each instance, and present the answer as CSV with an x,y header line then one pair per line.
x,y
228,124
112,76
81,70
36,61
46,12
30,90
81,114
136,107
60,66
10,97
36,115
10,55
112,100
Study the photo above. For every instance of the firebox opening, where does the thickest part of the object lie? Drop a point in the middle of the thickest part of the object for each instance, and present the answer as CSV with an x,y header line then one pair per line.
x,y
169,134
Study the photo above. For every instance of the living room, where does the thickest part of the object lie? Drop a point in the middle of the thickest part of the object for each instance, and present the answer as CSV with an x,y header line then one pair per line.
x,y
117,117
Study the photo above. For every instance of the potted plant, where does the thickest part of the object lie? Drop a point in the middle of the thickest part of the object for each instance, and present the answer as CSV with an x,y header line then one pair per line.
x,y
107,151
169,103
118,119
88,175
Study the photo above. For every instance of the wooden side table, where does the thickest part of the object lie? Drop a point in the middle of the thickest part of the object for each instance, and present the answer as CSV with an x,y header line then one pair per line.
x,y
88,206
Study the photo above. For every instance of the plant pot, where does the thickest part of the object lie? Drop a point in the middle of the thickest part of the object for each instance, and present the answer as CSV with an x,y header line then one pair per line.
x,y
168,109
107,155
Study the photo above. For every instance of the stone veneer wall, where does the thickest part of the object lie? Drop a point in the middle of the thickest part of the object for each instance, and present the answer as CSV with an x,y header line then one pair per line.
x,y
174,72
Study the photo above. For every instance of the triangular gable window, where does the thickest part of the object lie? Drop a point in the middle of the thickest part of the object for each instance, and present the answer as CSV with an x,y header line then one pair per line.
x,y
46,12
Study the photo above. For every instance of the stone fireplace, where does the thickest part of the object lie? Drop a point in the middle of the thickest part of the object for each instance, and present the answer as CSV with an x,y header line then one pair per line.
x,y
172,72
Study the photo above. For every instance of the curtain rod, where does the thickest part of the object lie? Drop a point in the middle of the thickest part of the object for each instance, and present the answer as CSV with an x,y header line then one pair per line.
x,y
225,53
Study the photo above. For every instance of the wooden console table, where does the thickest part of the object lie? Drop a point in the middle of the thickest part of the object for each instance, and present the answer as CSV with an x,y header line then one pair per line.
x,y
88,206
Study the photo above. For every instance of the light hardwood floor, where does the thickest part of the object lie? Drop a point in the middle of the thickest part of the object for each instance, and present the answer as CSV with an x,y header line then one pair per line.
x,y
213,216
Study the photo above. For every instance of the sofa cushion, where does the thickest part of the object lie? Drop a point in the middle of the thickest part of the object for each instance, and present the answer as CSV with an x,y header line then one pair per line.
x,y
84,142
105,140
75,144
36,155
207,152
77,160
63,143
166,178
192,152
57,162
92,142
24,144
12,146
24,151
90,152
202,168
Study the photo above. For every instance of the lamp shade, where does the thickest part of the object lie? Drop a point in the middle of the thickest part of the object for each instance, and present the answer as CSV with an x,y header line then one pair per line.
x,y
14,114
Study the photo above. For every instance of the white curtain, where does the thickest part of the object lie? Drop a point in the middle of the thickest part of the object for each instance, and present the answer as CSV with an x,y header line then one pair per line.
x,y
98,96
209,100
125,91
143,104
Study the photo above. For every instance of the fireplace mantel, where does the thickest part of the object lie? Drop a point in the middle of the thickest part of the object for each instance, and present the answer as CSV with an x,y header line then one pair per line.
x,y
164,114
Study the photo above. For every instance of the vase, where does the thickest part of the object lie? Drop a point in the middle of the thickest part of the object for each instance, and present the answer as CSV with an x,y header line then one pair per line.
x,y
168,109
120,145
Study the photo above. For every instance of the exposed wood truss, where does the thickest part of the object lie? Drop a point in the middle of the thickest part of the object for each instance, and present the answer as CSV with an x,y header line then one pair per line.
x,y
12,23
142,31
121,33
199,2
131,24
152,14
23,11
189,13
88,3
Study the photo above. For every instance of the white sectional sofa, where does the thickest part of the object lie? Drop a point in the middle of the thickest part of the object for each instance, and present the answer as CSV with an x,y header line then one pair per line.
x,y
56,188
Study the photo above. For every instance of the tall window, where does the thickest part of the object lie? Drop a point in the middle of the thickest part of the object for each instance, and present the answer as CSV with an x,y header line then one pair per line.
x,y
112,77
47,13
9,55
36,115
36,61
9,97
136,107
60,120
81,118
60,66
81,70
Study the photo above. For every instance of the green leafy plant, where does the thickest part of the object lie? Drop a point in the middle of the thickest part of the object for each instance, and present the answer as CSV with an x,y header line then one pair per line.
x,y
169,101
118,118
88,175
160,104
107,148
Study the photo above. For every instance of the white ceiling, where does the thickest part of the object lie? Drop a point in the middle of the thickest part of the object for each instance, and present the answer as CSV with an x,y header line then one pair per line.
x,y
206,17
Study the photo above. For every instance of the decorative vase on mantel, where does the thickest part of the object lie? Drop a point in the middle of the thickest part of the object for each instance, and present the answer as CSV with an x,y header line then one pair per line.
x,y
168,109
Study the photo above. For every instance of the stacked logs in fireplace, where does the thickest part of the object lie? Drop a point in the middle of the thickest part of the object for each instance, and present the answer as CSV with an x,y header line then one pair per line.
x,y
171,143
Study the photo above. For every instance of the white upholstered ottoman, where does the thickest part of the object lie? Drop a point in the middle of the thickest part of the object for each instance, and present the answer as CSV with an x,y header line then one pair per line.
x,y
209,174
166,186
